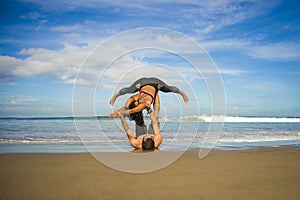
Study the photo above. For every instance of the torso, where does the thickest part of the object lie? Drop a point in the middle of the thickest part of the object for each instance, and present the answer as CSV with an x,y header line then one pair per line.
x,y
148,88
142,97
147,92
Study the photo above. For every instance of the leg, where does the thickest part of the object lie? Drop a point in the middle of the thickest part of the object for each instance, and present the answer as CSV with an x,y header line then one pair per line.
x,y
126,90
166,88
140,130
184,96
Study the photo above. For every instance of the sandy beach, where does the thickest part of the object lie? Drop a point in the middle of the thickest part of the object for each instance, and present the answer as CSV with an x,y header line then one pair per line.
x,y
261,173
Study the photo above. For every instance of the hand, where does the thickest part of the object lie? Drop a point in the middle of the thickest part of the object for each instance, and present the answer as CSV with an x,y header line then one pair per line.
x,y
149,110
120,115
147,103
114,114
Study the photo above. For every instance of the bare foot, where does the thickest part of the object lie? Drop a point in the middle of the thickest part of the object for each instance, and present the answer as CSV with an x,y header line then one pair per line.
x,y
112,100
184,96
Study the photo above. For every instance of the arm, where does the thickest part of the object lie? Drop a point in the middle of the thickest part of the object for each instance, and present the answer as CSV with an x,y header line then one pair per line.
x,y
129,101
131,138
157,134
138,108
156,106
124,111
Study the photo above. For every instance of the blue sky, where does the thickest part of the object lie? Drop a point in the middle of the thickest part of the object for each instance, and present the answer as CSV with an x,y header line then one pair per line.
x,y
254,44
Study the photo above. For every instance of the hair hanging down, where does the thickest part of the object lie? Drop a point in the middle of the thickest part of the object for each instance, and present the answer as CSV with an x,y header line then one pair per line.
x,y
148,144
137,117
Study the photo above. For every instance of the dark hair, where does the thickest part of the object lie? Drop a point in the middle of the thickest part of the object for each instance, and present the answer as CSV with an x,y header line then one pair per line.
x,y
148,144
137,117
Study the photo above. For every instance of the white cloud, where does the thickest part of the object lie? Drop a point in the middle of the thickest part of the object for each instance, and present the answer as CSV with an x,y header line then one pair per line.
x,y
60,64
15,100
276,51
14,104
64,29
9,64
207,13
266,85
203,17
72,35
40,61
272,51
33,16
226,44
63,64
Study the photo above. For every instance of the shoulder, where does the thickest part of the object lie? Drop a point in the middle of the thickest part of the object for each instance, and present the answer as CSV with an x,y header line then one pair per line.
x,y
157,140
135,96
140,137
136,142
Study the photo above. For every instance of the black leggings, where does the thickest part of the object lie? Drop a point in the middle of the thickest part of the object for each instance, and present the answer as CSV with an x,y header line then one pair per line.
x,y
148,81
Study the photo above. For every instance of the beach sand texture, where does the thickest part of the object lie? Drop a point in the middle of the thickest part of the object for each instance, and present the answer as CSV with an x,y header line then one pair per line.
x,y
261,173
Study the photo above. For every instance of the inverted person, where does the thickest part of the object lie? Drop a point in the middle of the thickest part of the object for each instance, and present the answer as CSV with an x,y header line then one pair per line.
x,y
148,89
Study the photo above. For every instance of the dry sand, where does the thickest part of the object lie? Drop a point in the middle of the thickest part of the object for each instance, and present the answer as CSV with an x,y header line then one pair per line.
x,y
263,173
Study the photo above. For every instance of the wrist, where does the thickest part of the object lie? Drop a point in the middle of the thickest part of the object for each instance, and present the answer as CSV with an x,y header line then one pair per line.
x,y
149,110
119,115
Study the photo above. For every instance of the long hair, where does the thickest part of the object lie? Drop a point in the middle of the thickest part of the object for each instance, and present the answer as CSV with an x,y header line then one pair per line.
x,y
137,117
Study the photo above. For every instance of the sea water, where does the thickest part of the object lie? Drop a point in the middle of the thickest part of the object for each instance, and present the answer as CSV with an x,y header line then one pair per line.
x,y
101,134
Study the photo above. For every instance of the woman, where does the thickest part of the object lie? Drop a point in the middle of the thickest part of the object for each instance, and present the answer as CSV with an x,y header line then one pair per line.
x,y
148,93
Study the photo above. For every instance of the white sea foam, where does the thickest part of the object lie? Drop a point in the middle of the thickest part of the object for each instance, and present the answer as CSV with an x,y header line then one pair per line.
x,y
236,119
260,139
55,141
20,134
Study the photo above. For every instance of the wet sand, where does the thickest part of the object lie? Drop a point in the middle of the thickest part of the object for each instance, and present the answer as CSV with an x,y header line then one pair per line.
x,y
261,173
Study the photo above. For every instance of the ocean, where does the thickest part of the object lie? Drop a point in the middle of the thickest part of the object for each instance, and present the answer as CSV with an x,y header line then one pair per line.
x,y
102,134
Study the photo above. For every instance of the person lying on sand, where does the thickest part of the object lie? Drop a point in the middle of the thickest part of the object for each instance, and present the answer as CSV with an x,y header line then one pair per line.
x,y
145,141
148,90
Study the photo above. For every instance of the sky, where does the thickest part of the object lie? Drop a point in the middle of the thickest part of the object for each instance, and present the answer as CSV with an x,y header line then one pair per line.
x,y
51,49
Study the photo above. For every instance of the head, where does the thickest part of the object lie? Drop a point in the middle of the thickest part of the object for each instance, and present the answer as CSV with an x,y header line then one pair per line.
x,y
148,142
137,117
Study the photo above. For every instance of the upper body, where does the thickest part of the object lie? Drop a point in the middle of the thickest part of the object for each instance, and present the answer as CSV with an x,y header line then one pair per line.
x,y
147,95
146,141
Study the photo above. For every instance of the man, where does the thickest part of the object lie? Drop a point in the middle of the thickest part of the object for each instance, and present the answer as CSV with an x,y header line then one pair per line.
x,y
145,141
